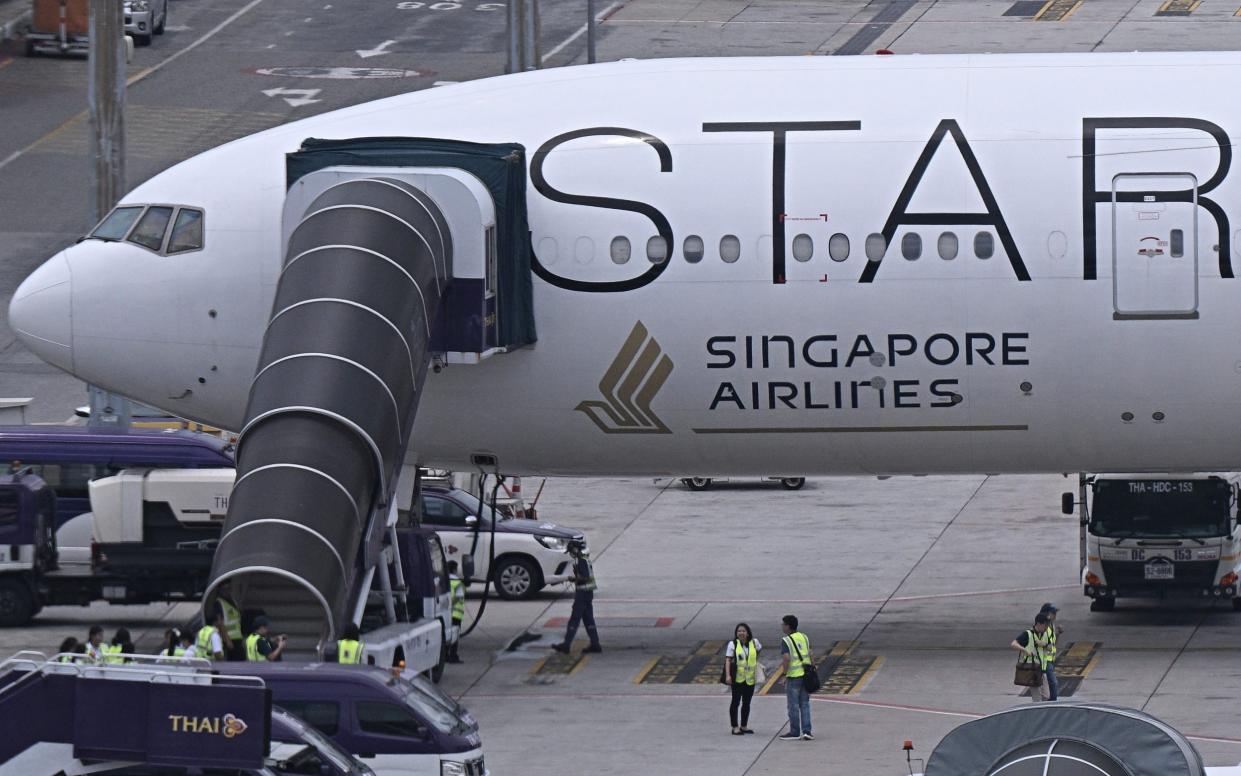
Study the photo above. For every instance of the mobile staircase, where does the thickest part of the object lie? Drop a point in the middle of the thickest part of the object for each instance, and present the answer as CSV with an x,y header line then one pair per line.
x,y
399,253
150,710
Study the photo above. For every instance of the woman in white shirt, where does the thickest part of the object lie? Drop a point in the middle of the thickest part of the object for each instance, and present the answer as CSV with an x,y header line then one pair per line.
x,y
741,671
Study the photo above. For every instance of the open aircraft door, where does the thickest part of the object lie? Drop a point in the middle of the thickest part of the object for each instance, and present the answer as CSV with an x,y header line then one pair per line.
x,y
1154,246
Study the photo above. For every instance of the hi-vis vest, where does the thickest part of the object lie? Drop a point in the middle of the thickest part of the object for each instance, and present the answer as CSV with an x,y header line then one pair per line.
x,y
252,648
797,665
1049,642
232,620
1038,645
745,660
177,651
589,584
349,651
456,591
111,654
203,642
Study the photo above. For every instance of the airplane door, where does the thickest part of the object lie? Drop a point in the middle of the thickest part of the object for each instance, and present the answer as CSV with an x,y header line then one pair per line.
x,y
1154,245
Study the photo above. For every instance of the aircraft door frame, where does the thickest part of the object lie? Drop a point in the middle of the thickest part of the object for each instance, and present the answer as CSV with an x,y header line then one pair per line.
x,y
1154,246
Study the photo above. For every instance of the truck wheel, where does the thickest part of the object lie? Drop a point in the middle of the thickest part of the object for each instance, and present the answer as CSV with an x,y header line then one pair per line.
x,y
1236,604
31,51
697,483
1103,604
792,483
516,578
16,603
163,21
437,671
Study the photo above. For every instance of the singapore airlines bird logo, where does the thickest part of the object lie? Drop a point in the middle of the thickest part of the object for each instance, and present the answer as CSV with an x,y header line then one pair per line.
x,y
637,373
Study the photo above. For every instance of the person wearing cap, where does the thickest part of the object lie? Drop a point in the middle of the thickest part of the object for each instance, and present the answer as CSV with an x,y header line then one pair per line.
x,y
1030,644
1050,638
259,647
583,600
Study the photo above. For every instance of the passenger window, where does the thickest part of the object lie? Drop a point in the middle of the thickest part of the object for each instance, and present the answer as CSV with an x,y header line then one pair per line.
x,y
657,250
324,716
948,246
388,719
149,233
803,247
8,507
911,246
444,512
876,246
620,250
117,224
187,232
694,249
730,248
984,245
68,480
1177,243
838,247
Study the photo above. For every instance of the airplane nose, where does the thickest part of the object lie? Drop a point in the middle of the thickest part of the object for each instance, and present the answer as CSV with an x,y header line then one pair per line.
x,y
41,312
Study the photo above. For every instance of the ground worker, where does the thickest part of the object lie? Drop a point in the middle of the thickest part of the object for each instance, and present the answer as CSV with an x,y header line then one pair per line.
x,y
259,647
120,645
94,644
1030,644
210,642
232,622
795,655
67,648
583,599
349,648
1050,637
456,591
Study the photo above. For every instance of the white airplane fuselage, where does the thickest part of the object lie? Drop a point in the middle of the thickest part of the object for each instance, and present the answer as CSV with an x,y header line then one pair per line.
x,y
1092,326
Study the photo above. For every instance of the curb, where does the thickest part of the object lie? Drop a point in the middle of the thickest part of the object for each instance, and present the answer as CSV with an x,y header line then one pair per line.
x,y
10,28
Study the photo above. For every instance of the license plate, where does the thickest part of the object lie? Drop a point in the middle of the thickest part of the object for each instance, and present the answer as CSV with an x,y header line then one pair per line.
x,y
1160,571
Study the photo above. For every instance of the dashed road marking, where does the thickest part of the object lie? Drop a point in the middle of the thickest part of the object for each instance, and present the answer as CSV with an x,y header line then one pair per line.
x,y
841,671
1178,7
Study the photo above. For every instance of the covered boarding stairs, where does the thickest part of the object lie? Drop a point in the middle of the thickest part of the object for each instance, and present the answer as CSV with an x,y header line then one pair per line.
x,y
398,251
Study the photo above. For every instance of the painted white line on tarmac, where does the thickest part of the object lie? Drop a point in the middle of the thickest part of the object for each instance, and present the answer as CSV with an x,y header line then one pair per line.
x,y
580,32
813,601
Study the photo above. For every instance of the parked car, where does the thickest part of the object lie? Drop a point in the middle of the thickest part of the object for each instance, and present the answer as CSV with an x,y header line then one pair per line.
x,y
703,483
145,19
529,554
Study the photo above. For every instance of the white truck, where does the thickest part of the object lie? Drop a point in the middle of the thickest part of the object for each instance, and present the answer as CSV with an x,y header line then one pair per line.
x,y
1157,536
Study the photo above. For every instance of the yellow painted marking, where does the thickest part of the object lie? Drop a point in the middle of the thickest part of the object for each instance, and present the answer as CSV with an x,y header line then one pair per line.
x,y
1178,7
1057,10
1092,557
866,677
841,648
771,680
539,666
646,669
5,63
582,661
1081,649
1090,666
709,648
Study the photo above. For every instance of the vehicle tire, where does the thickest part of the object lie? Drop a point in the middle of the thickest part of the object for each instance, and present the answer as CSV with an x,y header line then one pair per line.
x,y
142,40
792,483
163,22
697,483
30,49
16,603
516,578
1103,604
1236,604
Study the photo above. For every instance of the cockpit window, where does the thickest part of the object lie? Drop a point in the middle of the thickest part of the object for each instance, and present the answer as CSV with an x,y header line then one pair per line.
x,y
149,232
117,224
187,232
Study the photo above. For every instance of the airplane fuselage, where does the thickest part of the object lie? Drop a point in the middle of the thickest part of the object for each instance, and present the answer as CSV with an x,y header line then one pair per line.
x,y
792,266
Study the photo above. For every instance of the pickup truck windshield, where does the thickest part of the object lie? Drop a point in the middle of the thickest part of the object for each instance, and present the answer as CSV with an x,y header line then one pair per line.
x,y
1137,509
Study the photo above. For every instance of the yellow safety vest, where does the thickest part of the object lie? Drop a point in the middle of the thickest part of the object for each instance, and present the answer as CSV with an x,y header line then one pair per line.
x,y
203,642
349,651
457,591
111,654
797,665
1037,643
252,648
232,620
1049,642
745,662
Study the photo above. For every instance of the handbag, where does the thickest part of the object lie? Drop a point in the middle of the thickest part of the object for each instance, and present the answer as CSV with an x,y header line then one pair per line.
x,y
1028,675
810,674
724,671
760,674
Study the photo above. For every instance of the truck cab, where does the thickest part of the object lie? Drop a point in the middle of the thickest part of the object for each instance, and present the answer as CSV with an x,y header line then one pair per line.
x,y
1157,536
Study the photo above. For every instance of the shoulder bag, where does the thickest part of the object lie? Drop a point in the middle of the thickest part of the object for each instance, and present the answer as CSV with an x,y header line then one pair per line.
x,y
810,677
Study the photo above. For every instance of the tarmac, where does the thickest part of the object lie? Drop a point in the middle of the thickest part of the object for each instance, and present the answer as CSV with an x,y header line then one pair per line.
x,y
910,588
